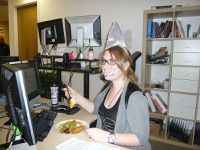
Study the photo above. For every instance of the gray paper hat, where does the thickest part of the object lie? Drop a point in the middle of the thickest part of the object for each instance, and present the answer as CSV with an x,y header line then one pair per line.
x,y
115,36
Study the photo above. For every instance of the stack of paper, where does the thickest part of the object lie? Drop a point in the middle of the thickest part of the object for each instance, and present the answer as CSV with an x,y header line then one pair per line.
x,y
74,144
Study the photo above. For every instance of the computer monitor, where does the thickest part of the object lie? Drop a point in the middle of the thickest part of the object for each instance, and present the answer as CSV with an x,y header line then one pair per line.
x,y
51,32
83,31
6,59
12,80
32,79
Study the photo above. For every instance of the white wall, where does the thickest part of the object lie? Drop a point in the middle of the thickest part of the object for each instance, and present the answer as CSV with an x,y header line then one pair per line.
x,y
128,13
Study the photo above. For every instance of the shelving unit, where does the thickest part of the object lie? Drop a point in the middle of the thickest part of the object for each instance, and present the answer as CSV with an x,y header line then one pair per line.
x,y
181,68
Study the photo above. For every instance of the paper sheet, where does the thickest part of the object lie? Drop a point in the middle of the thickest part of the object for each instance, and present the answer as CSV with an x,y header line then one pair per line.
x,y
74,144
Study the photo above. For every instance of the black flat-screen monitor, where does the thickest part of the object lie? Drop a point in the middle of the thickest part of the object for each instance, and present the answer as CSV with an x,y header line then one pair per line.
x,y
51,32
6,59
13,81
32,79
83,31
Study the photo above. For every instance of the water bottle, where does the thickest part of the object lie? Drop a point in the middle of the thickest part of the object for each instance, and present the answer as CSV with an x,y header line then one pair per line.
x,y
54,94
90,54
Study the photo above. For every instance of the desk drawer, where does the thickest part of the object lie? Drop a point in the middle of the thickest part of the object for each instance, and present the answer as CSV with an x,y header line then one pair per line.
x,y
185,73
183,100
192,59
181,111
184,85
186,45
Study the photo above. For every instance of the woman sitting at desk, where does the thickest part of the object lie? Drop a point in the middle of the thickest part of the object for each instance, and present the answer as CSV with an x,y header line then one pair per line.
x,y
116,123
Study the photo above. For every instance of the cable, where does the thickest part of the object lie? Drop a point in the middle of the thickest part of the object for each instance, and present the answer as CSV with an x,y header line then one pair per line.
x,y
12,138
53,47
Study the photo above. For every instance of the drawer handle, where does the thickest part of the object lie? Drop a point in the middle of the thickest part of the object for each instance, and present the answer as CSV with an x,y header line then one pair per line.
x,y
187,74
187,47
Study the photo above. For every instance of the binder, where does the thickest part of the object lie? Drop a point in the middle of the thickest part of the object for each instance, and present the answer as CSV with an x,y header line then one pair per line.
x,y
180,28
151,105
158,103
162,101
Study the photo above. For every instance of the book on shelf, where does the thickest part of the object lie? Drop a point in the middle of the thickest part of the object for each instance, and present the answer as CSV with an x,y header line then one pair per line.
x,y
156,30
197,134
162,101
165,6
161,6
149,28
151,105
152,27
179,29
160,29
180,129
167,29
159,105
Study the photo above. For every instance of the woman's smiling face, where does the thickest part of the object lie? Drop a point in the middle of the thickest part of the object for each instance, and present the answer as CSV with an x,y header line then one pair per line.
x,y
109,67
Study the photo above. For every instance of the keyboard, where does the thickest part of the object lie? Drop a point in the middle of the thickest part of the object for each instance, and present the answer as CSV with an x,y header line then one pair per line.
x,y
43,122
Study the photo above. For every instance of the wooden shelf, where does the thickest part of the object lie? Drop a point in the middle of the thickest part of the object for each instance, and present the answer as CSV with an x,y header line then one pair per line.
x,y
182,70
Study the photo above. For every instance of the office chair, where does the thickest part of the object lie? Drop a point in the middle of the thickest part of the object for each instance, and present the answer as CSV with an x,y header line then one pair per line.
x,y
134,57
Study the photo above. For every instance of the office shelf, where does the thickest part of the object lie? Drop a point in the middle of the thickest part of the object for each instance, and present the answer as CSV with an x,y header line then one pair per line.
x,y
181,68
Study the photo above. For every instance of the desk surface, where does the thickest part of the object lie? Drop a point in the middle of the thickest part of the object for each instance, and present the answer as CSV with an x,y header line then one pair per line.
x,y
55,138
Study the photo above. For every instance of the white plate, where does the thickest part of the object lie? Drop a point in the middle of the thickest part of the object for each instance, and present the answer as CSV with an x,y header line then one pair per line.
x,y
81,121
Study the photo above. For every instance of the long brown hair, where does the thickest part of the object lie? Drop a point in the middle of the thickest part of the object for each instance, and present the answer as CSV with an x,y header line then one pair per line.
x,y
122,54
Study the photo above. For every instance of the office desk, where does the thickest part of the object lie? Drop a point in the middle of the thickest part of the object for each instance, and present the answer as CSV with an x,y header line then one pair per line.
x,y
55,138
85,70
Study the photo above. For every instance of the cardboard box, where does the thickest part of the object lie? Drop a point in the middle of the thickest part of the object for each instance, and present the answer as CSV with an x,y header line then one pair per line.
x,y
154,129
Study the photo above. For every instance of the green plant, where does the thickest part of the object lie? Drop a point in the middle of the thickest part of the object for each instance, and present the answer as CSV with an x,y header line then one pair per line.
x,y
47,79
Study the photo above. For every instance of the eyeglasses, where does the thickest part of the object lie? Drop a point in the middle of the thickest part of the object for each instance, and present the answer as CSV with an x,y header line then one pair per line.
x,y
111,62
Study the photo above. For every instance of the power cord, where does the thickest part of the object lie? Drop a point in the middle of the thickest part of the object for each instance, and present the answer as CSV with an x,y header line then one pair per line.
x,y
12,138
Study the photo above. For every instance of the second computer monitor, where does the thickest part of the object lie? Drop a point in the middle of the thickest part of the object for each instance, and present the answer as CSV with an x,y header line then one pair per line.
x,y
83,31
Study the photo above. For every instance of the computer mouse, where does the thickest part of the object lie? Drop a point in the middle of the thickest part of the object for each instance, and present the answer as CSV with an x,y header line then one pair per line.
x,y
65,109
62,108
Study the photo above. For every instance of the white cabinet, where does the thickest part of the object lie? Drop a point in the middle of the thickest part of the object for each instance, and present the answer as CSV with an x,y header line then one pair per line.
x,y
185,73
182,105
186,46
184,85
182,68
186,52
192,59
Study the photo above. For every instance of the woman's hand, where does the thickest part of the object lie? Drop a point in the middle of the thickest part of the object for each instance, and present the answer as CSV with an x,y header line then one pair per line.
x,y
98,134
70,93
78,98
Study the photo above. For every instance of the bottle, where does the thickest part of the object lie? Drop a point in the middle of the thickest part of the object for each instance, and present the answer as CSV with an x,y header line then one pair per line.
x,y
82,61
91,54
54,94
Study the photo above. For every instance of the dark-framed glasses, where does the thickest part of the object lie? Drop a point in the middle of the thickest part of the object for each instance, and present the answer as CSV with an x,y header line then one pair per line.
x,y
111,62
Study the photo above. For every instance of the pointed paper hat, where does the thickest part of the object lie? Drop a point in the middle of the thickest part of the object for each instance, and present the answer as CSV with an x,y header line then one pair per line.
x,y
115,36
